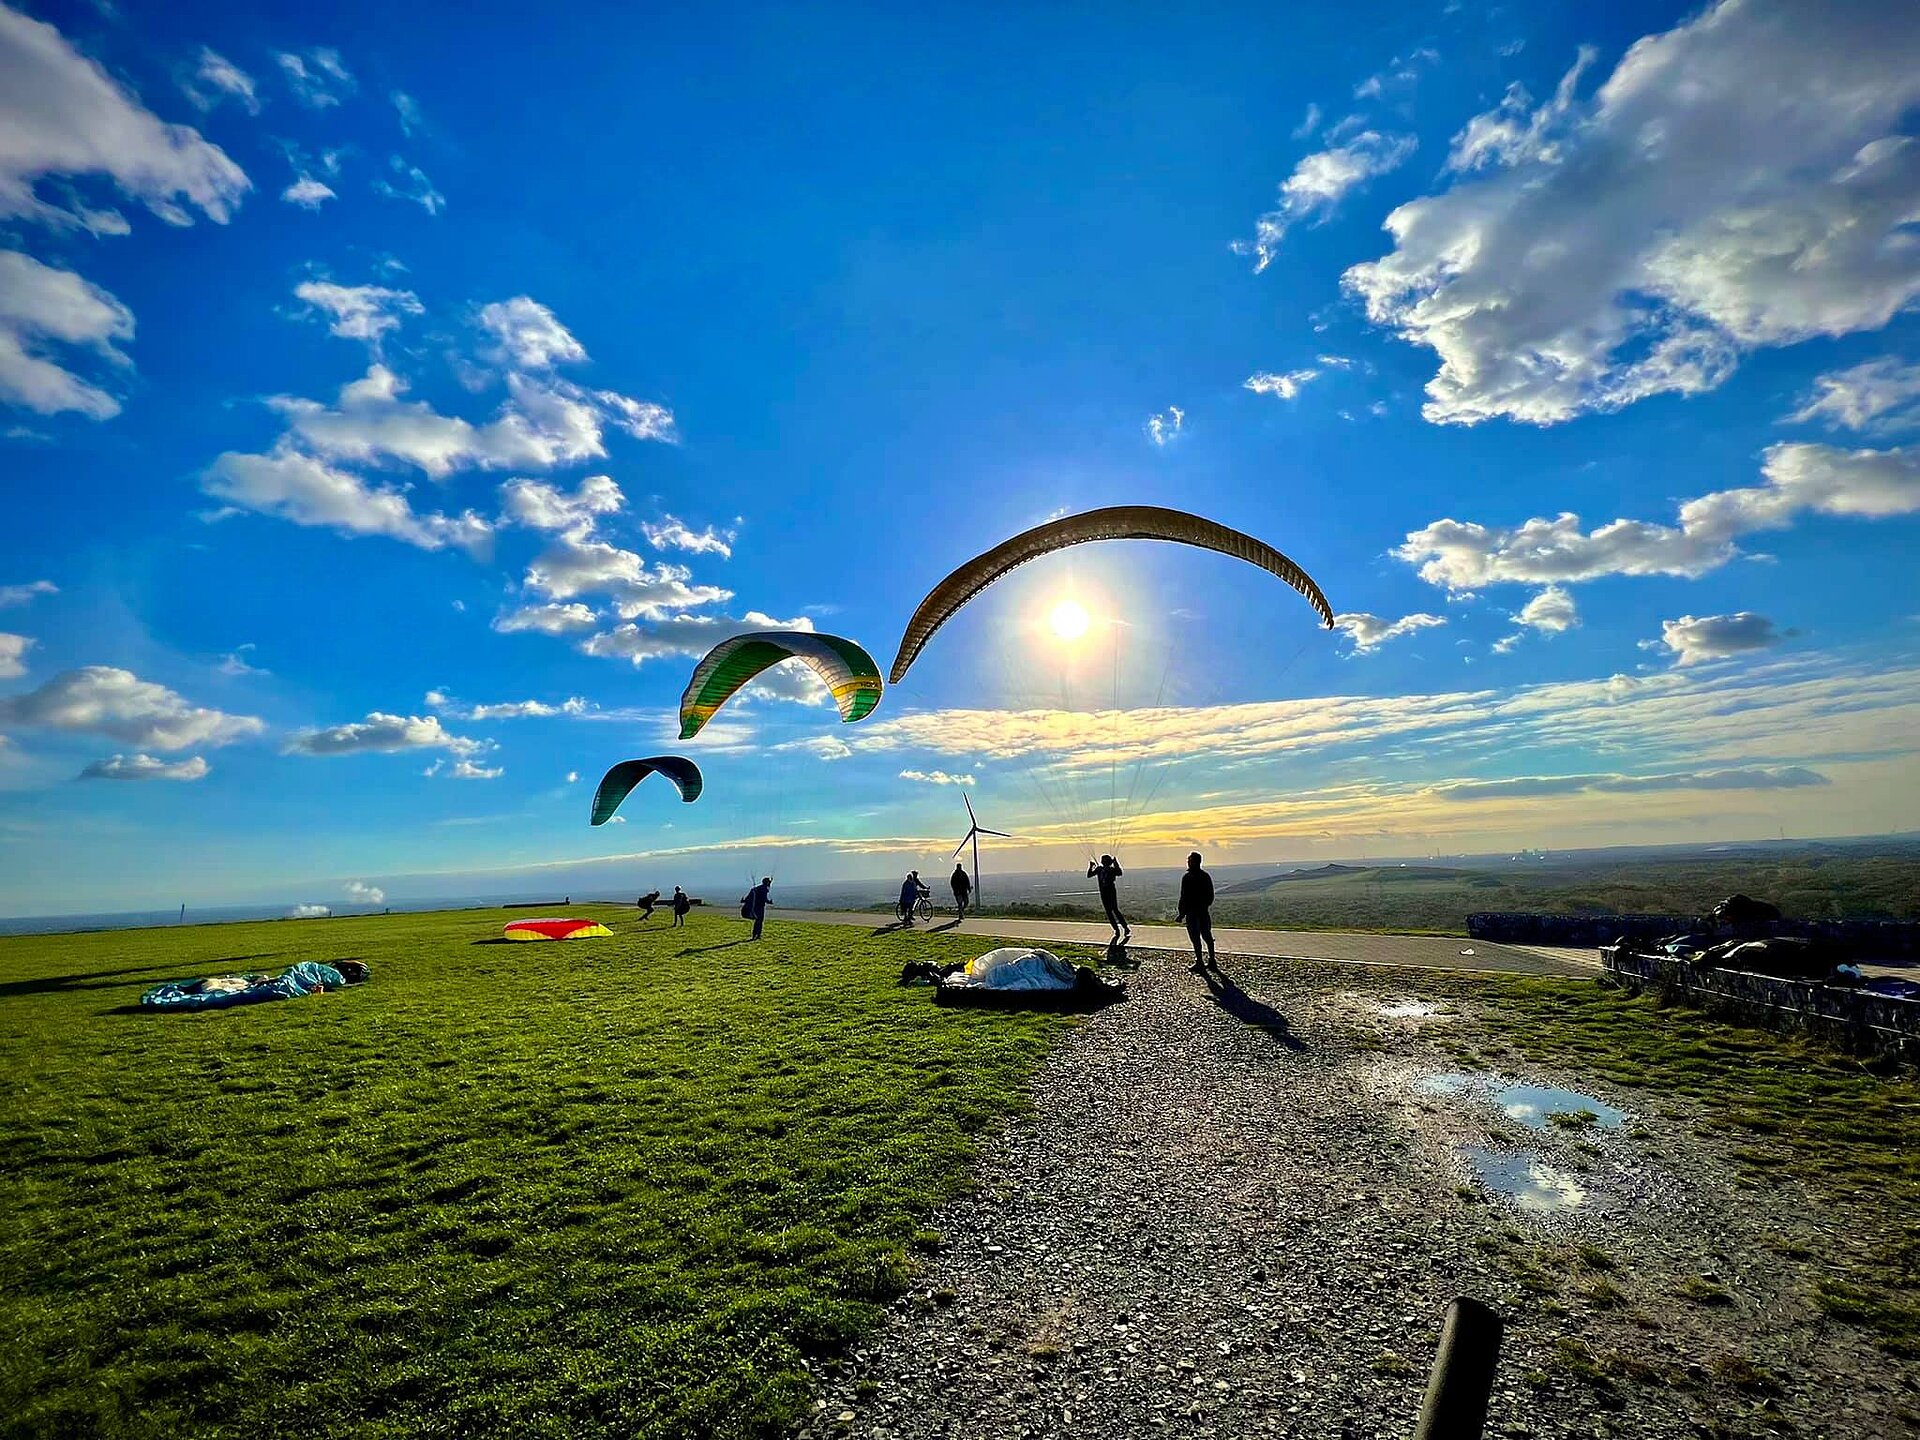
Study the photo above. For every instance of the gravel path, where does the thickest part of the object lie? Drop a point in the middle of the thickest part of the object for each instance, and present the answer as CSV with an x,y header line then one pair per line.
x,y
1235,1211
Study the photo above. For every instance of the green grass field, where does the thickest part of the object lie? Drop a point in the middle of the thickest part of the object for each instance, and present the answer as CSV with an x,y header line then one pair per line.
x,y
625,1186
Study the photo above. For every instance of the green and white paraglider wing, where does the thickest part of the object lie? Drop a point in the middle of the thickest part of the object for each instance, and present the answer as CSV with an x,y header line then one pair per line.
x,y
849,672
618,782
1116,522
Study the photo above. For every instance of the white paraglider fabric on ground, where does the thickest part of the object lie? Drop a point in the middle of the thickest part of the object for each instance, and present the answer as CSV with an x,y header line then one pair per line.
x,y
1014,967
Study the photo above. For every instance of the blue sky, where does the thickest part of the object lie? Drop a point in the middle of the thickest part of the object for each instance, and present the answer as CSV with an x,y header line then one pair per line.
x,y
394,408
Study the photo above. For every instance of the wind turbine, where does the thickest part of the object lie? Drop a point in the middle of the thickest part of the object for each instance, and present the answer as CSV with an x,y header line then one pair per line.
x,y
974,832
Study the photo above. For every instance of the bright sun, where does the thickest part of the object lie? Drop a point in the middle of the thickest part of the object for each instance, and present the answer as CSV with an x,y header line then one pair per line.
x,y
1069,620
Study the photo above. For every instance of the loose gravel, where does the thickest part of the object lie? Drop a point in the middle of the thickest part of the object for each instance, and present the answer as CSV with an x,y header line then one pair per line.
x,y
1234,1211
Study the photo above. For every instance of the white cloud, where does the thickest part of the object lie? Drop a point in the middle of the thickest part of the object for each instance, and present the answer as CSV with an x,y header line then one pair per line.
x,y
668,533
1800,712
411,183
42,306
540,506
507,709
1694,638
1879,397
545,423
22,594
309,912
317,78
382,733
307,491
101,700
146,767
1551,612
216,78
362,893
573,565
308,193
407,109
936,777
1164,428
466,770
236,664
1286,385
573,777
1790,777
527,336
547,619
1370,632
61,114
1739,181
681,635
1319,183
1309,123
821,747
359,312
1801,478
13,655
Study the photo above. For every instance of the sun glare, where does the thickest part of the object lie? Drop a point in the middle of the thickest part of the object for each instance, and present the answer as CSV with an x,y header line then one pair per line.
x,y
1069,620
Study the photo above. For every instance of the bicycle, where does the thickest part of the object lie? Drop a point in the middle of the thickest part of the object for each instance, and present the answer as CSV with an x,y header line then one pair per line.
x,y
922,910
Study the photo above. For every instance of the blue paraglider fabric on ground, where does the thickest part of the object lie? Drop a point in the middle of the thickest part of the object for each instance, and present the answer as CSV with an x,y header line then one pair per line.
x,y
217,992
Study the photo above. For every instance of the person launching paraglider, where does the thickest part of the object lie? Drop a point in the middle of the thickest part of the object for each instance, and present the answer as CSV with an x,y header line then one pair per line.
x,y
681,904
646,903
962,889
1106,873
910,892
1196,908
754,907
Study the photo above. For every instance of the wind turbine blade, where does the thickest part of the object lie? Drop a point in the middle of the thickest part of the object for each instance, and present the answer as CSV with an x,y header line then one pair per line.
x,y
958,848
1001,833
975,819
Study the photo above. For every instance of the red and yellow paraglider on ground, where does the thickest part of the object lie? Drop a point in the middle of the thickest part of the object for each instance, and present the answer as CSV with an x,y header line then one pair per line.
x,y
554,929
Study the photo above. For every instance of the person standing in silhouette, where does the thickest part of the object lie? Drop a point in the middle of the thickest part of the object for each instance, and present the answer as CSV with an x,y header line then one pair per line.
x,y
756,906
1106,873
1196,908
680,907
962,889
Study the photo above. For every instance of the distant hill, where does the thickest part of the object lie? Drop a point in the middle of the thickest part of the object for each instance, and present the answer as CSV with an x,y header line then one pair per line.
x,y
1362,874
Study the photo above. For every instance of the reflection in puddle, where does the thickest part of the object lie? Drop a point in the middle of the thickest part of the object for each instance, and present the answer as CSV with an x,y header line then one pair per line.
x,y
1530,1183
1534,1106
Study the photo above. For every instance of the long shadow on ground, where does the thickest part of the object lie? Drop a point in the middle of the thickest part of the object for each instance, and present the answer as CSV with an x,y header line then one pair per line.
x,y
106,979
1244,1008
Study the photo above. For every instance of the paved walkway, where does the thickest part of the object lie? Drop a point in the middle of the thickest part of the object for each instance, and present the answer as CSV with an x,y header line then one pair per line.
x,y
1426,952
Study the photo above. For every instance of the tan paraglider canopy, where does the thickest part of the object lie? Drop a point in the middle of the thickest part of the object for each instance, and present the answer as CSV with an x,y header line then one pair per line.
x,y
1116,522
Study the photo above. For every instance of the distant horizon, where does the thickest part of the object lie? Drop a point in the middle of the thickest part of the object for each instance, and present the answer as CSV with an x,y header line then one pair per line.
x,y
882,885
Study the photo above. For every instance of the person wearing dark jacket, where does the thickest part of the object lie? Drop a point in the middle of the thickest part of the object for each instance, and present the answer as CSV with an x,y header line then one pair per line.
x,y
1106,873
910,892
1196,907
755,906
962,889
681,904
646,903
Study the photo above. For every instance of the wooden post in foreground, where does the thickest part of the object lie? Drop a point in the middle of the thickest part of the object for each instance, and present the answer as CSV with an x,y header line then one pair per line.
x,y
1462,1380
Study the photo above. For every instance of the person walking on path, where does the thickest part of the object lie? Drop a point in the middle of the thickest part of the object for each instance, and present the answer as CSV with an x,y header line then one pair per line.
x,y
1106,873
962,889
755,908
910,892
680,907
1196,907
646,903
